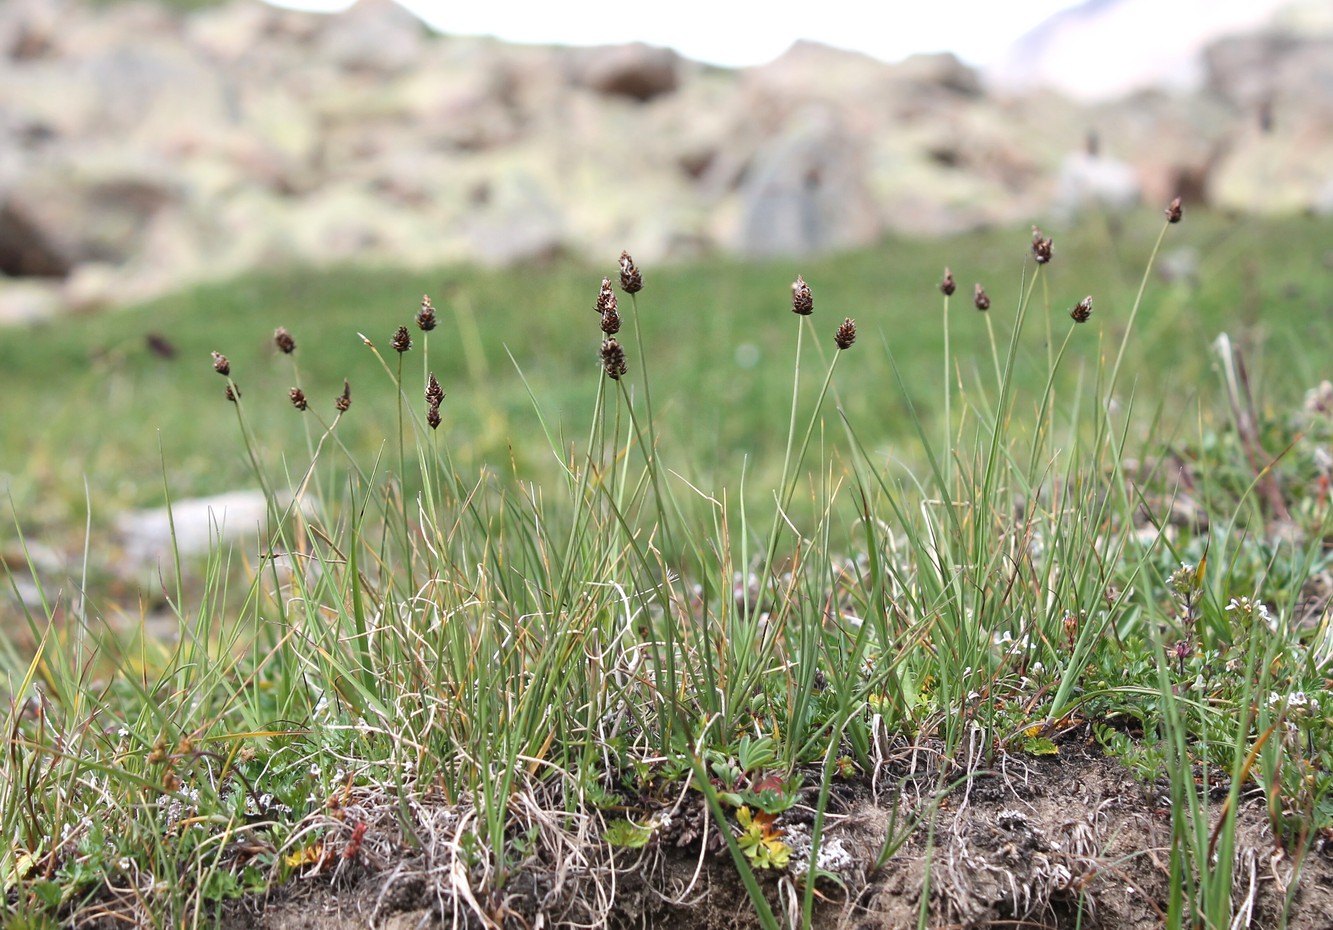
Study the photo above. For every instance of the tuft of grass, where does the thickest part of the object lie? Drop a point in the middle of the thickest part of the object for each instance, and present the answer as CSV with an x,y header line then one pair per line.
x,y
461,655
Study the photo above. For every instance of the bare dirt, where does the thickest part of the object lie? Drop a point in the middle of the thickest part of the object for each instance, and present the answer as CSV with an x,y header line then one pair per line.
x,y
1071,841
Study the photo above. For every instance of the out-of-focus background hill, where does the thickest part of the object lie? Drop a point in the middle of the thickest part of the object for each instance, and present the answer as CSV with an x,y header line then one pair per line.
x,y
144,147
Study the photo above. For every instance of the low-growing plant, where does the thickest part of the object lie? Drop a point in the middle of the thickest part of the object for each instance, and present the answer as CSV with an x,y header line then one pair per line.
x,y
487,675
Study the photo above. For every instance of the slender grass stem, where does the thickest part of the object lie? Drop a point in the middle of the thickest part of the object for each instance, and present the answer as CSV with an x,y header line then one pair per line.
x,y
948,395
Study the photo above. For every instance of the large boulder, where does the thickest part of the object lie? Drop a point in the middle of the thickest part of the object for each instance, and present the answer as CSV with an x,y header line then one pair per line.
x,y
376,36
637,71
1089,181
805,191
93,208
1281,86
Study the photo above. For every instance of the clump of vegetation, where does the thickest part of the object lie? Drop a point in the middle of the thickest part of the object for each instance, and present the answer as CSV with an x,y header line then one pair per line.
x,y
514,697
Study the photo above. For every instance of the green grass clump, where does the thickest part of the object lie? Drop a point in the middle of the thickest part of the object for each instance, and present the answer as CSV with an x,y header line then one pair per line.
x,y
592,601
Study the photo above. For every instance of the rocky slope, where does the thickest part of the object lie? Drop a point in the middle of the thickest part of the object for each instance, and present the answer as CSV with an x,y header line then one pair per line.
x,y
142,148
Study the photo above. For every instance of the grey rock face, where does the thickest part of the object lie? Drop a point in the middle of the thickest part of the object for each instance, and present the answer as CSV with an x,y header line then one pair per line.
x,y
805,192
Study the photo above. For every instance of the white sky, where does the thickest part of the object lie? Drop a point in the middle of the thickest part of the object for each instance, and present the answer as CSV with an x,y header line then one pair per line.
x,y
743,32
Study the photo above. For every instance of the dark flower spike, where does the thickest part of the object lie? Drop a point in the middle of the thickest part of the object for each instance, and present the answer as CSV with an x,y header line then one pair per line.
x,y
611,323
1042,247
284,341
802,301
233,392
401,341
434,393
344,400
426,316
1082,310
613,359
631,279
980,299
298,398
846,333
606,298
1174,211
433,417
220,364
947,287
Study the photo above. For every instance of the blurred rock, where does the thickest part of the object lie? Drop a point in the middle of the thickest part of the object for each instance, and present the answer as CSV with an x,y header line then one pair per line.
x,y
27,249
29,301
640,72
374,35
805,192
92,207
1090,181
1262,69
1323,201
29,29
191,527
1280,84
517,220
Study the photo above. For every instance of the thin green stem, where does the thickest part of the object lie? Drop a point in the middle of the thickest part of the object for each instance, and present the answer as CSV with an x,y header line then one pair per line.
x,y
1134,311
948,394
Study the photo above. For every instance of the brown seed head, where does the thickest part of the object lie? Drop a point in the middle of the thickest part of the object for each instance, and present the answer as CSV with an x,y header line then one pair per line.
x,y
631,279
1042,247
947,287
220,364
434,393
611,323
233,392
298,398
344,400
401,341
426,316
802,301
613,359
606,299
284,341
846,333
433,416
1082,310
980,299
1174,211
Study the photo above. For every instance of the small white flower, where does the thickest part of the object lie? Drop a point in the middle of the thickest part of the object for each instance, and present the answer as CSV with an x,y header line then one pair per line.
x,y
1301,699
1323,460
1269,621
